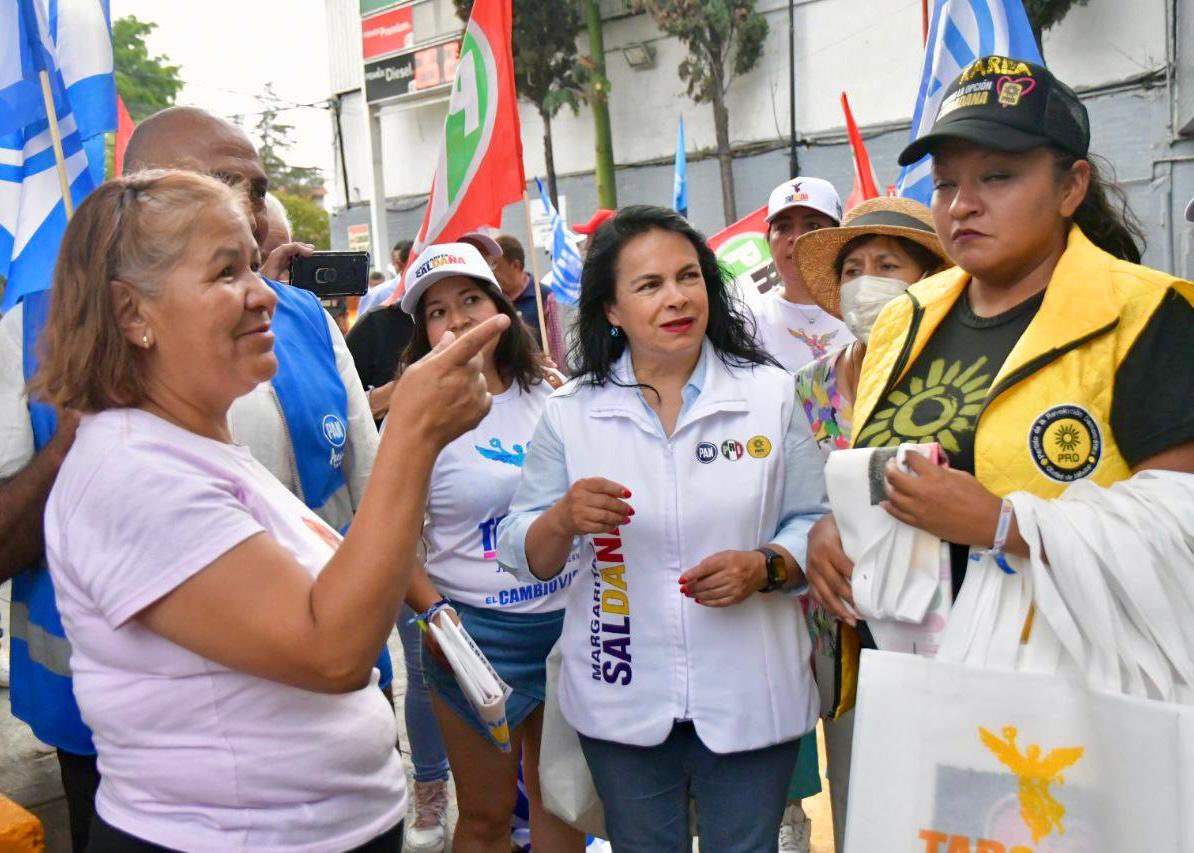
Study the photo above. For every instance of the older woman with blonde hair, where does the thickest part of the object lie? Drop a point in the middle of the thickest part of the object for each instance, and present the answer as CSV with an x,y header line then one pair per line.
x,y
223,636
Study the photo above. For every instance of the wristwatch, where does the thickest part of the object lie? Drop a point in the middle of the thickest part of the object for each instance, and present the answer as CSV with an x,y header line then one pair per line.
x,y
777,570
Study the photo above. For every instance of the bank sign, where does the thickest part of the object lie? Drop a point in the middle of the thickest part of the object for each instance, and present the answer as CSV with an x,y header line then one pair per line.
x,y
412,72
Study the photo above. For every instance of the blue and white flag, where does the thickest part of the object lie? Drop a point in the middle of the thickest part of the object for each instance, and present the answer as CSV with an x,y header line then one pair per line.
x,y
962,31
564,277
71,40
680,181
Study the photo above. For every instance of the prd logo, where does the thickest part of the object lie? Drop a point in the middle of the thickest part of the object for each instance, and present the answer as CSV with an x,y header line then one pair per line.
x,y
744,252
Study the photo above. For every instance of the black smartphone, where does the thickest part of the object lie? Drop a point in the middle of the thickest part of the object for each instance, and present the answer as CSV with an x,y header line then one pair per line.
x,y
329,274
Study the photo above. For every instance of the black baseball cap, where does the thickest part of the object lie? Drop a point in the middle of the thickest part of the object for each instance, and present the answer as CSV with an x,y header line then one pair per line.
x,y
1008,105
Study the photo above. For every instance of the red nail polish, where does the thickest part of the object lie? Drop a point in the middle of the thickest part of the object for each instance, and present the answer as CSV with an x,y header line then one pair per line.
x,y
627,521
626,493
632,510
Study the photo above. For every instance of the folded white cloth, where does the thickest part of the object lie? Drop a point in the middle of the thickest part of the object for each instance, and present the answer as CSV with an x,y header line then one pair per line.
x,y
899,571
1111,578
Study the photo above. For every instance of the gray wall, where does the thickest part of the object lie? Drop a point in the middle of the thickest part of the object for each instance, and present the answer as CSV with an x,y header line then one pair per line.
x,y
1130,128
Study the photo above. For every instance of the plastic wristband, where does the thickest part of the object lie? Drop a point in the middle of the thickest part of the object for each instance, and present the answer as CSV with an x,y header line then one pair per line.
x,y
1002,528
424,618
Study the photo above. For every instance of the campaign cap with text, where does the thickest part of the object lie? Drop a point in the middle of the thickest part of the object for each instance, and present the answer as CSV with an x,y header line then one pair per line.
x,y
1008,105
443,261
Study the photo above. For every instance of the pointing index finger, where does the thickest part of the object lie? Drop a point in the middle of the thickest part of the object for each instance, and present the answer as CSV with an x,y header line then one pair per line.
x,y
474,340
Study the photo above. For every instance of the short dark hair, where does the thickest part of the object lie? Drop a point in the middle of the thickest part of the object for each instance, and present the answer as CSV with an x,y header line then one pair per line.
x,y
731,329
403,247
517,353
927,260
512,250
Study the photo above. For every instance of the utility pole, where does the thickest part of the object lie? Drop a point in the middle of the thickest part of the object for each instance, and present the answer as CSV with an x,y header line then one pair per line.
x,y
793,157
607,190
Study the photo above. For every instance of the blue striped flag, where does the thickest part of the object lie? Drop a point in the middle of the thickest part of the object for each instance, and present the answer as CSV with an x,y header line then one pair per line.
x,y
564,277
962,31
72,41
680,179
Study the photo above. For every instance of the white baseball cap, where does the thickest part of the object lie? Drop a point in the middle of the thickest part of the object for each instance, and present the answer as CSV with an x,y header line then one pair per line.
x,y
439,262
814,193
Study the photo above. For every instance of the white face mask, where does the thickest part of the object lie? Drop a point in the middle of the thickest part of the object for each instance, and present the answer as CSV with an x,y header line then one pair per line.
x,y
862,300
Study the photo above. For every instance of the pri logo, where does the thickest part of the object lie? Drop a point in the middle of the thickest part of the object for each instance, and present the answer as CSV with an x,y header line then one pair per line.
x,y
732,449
706,452
334,430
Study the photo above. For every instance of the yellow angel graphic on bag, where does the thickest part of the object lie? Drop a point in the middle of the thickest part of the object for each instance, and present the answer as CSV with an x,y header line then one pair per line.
x,y
1041,811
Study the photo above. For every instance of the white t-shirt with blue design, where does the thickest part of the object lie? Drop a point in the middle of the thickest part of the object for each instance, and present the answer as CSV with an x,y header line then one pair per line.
x,y
472,485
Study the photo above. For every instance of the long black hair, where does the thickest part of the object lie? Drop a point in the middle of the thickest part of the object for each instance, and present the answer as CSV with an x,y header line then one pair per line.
x,y
1104,215
517,355
595,350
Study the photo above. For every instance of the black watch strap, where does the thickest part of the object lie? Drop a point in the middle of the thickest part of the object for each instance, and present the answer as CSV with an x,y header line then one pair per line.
x,y
777,570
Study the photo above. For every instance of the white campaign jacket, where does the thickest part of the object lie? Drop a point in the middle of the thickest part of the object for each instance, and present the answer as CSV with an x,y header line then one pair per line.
x,y
637,654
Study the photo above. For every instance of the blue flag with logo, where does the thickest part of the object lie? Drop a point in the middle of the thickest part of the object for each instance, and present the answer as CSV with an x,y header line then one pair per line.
x,y
680,180
564,277
961,32
71,41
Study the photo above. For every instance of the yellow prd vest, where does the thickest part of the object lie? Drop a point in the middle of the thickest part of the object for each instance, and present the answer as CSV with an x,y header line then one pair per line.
x,y
1046,419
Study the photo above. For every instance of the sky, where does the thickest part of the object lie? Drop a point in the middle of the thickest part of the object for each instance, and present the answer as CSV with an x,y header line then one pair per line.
x,y
229,50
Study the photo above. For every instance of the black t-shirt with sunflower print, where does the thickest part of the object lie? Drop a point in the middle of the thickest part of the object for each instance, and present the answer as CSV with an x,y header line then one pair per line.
x,y
941,395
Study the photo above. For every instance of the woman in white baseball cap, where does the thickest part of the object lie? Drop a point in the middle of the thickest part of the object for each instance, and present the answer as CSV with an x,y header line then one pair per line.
x,y
451,288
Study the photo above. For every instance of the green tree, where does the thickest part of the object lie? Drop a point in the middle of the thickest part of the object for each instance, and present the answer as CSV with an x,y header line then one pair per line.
x,y
145,83
603,141
1044,14
724,40
308,220
274,138
547,72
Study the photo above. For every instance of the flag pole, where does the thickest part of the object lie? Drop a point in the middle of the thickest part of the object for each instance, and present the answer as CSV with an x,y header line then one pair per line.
x,y
526,206
56,138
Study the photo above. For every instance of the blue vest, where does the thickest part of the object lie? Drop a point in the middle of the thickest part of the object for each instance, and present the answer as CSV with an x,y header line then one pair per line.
x,y
40,689
314,401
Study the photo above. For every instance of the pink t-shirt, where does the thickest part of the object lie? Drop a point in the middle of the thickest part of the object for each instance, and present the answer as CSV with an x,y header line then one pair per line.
x,y
193,755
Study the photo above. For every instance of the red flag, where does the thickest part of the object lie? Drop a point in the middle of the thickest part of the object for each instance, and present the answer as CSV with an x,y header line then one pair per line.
x,y
752,223
864,176
124,131
480,160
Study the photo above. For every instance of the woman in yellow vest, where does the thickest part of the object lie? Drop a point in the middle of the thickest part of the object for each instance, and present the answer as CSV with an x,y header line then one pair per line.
x,y
1047,356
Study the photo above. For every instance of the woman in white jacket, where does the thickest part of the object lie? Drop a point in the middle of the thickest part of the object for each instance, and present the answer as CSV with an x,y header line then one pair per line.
x,y
685,664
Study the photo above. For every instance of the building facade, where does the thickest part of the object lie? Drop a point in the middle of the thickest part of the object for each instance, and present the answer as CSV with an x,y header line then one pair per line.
x,y
1133,64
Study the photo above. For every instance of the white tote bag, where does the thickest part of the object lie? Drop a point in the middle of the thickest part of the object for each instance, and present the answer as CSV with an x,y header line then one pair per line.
x,y
949,757
564,777
1081,739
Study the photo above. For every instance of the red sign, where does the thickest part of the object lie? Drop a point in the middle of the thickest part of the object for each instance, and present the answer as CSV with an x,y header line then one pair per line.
x,y
387,32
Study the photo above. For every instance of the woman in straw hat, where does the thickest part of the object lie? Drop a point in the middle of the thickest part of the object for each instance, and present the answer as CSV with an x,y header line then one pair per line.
x,y
882,246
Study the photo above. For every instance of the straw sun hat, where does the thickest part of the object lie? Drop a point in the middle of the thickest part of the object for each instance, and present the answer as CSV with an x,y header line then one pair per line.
x,y
817,251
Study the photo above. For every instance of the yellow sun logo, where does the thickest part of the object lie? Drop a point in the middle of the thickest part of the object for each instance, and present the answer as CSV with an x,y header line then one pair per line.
x,y
935,407
1068,438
